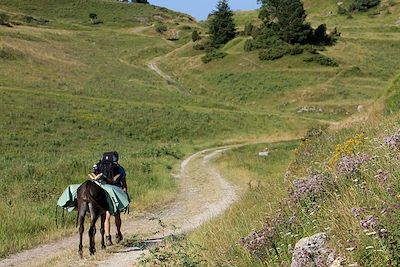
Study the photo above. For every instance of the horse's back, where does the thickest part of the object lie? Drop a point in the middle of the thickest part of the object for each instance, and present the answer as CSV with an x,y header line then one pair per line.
x,y
91,192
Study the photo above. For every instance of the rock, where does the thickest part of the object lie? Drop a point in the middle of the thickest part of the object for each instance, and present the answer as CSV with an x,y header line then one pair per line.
x,y
360,108
264,152
313,251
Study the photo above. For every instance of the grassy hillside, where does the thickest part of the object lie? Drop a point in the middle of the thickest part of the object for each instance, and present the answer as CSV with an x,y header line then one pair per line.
x,y
366,53
367,75
71,90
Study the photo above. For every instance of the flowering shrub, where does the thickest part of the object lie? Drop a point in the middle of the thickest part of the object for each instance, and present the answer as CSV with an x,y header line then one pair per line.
x,y
349,147
350,165
307,187
267,237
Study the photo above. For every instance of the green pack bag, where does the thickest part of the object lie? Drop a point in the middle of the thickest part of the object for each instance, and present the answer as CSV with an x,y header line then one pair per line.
x,y
118,200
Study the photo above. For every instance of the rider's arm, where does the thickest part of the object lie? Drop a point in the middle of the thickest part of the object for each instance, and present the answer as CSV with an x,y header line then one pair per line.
x,y
124,185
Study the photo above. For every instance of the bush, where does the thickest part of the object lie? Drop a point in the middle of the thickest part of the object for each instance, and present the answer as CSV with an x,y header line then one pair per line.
x,y
195,36
322,60
271,42
342,10
248,45
248,29
186,28
295,50
363,5
5,20
203,45
160,27
7,53
213,54
272,53
311,49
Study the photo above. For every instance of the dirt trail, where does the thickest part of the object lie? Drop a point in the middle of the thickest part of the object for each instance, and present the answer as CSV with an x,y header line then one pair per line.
x,y
204,193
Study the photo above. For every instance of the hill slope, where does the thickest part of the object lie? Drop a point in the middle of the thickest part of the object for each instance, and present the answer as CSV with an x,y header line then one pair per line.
x,y
71,89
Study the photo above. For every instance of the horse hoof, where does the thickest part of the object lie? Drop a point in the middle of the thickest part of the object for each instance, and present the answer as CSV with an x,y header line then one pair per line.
x,y
103,246
80,254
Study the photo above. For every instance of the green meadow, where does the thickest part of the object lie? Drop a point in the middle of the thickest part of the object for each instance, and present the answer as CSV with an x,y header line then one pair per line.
x,y
71,90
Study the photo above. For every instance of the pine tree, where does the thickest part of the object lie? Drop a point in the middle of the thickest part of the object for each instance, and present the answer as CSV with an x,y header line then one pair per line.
x,y
287,19
222,28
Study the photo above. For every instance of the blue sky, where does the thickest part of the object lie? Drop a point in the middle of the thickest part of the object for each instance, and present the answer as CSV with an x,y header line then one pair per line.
x,y
201,8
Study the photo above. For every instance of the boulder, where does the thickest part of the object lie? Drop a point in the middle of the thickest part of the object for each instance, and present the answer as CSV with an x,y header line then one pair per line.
x,y
313,251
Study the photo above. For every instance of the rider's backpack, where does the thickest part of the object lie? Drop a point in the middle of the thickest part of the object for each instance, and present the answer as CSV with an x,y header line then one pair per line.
x,y
108,165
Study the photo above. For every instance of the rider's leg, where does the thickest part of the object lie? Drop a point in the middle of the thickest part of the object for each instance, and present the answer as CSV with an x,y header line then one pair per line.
x,y
118,225
107,229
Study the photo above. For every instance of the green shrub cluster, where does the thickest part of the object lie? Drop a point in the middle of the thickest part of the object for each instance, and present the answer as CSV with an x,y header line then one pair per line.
x,y
272,53
213,54
7,53
272,48
363,5
322,60
357,5
248,29
195,36
5,20
160,27
203,46
284,26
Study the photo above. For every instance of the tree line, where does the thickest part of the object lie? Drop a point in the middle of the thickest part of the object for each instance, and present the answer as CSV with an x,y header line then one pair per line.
x,y
283,29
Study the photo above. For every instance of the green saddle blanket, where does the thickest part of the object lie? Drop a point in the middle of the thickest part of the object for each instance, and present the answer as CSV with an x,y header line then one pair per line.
x,y
117,199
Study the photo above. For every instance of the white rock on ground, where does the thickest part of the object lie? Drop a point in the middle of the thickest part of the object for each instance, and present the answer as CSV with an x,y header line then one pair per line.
x,y
314,251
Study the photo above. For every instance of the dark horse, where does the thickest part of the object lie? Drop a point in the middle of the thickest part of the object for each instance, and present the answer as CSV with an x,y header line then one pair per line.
x,y
91,197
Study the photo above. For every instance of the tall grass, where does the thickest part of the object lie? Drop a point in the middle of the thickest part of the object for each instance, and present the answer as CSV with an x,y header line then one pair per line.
x,y
264,185
357,209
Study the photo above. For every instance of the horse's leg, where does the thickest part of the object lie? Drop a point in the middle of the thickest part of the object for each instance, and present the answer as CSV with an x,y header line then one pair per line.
x,y
92,230
82,208
103,219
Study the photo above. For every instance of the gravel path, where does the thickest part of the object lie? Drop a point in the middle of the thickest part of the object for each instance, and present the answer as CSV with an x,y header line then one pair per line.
x,y
204,193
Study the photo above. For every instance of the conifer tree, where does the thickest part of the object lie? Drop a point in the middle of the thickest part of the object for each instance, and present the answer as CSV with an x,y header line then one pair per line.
x,y
287,19
222,28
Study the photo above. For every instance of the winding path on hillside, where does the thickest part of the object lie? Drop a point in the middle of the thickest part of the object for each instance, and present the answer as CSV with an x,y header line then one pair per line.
x,y
204,193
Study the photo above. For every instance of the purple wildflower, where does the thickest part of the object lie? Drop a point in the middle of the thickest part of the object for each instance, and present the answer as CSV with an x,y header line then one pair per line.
x,y
307,187
391,191
370,223
255,241
382,176
393,141
349,165
357,212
